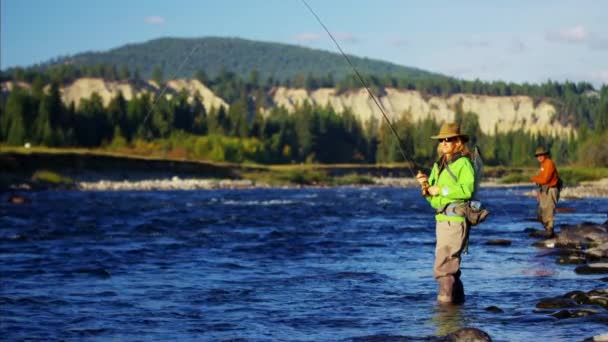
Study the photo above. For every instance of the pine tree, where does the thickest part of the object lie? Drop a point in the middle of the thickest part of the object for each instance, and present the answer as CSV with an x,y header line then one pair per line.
x,y
16,131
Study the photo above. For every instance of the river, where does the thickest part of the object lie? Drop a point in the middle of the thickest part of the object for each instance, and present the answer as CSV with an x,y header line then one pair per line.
x,y
326,264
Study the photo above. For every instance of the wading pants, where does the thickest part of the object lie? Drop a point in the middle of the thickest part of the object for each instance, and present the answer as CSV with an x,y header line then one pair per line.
x,y
451,239
546,208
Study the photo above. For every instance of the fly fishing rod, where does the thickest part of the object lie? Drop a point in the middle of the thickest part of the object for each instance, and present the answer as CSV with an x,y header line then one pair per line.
x,y
410,162
164,89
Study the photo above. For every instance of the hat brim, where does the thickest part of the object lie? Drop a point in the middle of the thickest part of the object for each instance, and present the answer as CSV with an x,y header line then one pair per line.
x,y
541,154
464,137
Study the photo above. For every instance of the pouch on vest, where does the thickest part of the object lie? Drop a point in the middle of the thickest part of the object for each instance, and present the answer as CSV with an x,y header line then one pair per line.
x,y
472,211
475,213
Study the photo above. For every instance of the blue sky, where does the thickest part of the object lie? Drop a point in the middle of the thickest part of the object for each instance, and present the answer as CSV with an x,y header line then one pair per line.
x,y
514,41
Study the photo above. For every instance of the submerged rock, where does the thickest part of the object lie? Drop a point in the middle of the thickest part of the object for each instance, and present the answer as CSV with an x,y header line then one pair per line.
x,y
598,252
577,304
548,243
562,314
597,338
17,199
537,233
582,235
467,334
572,260
498,242
556,303
494,309
596,268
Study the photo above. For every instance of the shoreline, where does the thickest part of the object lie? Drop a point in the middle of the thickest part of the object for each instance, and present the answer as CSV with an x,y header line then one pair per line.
x,y
583,190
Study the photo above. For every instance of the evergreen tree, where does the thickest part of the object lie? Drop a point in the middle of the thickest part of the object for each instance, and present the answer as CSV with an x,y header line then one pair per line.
x,y
238,118
158,76
16,106
92,125
183,114
117,111
124,74
199,125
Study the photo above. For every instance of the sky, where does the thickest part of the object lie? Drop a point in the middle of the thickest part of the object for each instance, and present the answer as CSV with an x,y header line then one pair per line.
x,y
513,41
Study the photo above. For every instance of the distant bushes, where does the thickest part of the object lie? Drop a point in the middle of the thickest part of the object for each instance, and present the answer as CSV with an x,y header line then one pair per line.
x,y
50,178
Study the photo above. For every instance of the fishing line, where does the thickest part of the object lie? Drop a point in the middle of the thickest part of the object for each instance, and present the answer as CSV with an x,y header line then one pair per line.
x,y
410,163
167,84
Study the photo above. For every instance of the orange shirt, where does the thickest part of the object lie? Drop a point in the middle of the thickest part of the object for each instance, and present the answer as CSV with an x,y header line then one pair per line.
x,y
547,175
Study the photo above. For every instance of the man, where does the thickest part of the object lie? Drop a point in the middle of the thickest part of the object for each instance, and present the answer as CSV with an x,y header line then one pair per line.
x,y
547,180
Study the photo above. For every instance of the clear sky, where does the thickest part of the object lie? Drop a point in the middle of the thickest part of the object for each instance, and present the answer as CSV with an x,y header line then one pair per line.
x,y
509,40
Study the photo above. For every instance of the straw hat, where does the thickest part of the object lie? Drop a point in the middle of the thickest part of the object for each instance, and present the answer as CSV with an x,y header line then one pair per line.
x,y
449,130
541,151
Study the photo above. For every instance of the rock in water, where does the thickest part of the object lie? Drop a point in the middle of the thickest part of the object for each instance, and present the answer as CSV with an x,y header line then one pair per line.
x,y
595,268
16,199
467,335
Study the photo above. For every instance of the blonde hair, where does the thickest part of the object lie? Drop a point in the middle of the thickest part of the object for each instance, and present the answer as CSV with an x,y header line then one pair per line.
x,y
461,147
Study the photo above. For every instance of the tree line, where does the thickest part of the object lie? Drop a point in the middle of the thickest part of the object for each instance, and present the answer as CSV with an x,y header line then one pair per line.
x,y
248,131
578,104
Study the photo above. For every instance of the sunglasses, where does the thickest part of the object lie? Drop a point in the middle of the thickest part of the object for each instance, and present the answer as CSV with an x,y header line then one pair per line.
x,y
451,139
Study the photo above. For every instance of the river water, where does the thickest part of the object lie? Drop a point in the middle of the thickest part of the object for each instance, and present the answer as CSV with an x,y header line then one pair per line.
x,y
335,264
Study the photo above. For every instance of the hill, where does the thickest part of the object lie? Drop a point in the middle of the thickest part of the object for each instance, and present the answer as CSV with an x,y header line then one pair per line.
x,y
236,55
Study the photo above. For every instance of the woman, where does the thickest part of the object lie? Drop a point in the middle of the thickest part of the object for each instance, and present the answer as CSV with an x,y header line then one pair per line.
x,y
451,183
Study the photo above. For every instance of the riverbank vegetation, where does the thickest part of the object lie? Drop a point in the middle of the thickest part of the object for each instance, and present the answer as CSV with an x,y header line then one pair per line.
x,y
252,130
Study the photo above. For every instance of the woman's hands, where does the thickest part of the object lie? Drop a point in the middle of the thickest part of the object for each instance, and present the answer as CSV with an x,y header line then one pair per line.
x,y
423,179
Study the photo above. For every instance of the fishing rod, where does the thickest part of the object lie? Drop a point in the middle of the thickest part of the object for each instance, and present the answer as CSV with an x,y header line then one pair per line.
x,y
162,92
410,162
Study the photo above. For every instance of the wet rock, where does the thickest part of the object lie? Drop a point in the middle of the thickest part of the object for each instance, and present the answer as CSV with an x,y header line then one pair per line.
x,y
498,242
598,292
538,233
564,253
574,313
597,338
582,235
599,301
467,334
571,260
494,309
579,297
556,303
17,199
548,243
599,252
596,268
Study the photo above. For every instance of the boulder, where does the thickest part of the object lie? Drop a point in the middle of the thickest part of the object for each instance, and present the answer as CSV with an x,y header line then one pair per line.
x,y
595,268
498,242
582,235
16,199
598,252
467,334
556,303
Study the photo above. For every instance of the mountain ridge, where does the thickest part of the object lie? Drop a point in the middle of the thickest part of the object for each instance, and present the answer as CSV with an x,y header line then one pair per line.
x,y
238,55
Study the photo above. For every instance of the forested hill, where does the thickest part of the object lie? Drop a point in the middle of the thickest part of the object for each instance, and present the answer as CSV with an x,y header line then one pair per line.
x,y
240,56
238,100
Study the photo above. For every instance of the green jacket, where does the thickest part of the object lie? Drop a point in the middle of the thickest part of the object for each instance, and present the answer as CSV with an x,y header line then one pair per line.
x,y
452,191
